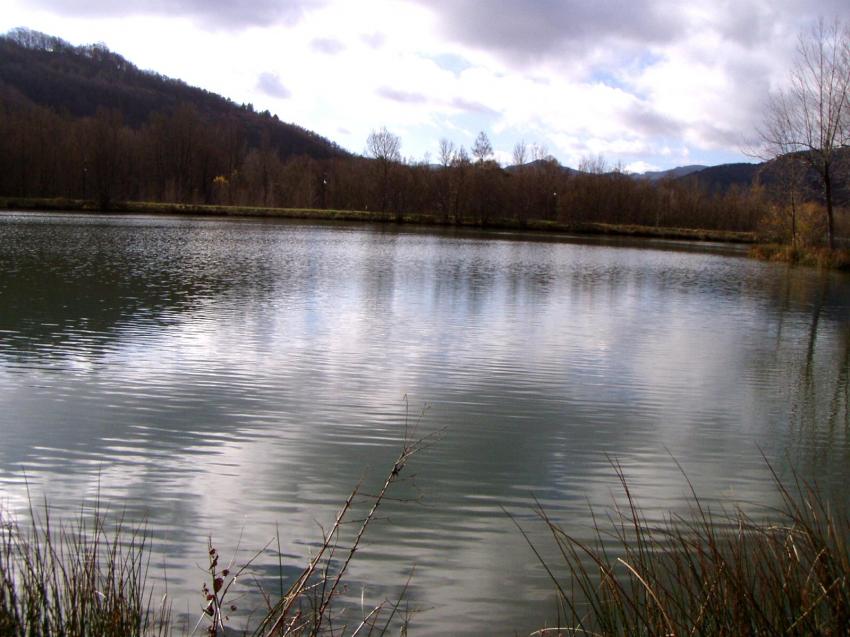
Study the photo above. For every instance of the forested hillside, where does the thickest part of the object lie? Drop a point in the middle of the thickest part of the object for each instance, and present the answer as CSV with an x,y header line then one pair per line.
x,y
83,121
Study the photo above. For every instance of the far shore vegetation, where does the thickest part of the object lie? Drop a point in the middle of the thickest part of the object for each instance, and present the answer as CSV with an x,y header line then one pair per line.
x,y
538,225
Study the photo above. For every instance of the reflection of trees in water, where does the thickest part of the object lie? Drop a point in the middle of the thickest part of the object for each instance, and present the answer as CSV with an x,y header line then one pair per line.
x,y
65,284
818,372
838,417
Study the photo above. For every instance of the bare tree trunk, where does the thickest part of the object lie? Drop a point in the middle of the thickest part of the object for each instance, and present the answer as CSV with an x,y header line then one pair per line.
x,y
830,224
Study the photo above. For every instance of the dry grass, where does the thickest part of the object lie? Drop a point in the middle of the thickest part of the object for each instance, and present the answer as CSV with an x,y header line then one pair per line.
x,y
89,578
79,579
307,607
709,573
812,256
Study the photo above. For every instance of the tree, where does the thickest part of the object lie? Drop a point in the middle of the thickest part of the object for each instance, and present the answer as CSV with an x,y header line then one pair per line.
x,y
461,157
447,152
460,168
106,153
482,149
539,152
812,115
593,165
385,148
520,153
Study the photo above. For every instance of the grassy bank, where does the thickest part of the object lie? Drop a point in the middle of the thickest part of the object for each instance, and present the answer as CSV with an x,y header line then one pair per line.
x,y
812,256
537,225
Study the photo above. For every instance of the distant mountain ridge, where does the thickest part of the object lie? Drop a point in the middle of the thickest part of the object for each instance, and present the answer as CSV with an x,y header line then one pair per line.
x,y
771,175
714,178
672,173
717,179
720,179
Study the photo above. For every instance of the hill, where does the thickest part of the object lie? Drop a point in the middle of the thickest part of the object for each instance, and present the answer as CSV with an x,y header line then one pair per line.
x,y
79,80
673,173
549,163
719,179
774,176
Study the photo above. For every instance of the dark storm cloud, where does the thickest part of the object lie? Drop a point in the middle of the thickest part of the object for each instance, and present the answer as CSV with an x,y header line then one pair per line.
x,y
270,84
648,122
523,30
748,25
723,136
221,14
532,28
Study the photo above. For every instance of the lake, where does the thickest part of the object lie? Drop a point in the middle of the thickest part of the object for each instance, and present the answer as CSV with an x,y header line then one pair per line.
x,y
227,378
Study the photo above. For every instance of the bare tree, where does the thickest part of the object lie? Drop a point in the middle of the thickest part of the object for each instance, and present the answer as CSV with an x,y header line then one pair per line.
x,y
460,169
482,149
106,154
461,157
779,147
593,165
447,152
539,152
812,116
520,153
385,147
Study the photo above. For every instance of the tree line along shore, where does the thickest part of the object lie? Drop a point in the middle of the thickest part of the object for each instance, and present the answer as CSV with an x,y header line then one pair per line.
x,y
83,129
317,214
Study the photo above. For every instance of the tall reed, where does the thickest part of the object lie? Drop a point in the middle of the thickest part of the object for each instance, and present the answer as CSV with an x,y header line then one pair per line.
x,y
707,573
90,578
80,578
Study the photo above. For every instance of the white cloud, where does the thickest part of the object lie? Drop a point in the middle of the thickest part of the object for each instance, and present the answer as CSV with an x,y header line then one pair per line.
x,y
639,167
270,84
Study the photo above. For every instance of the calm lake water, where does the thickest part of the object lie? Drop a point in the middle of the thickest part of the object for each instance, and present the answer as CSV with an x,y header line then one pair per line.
x,y
225,378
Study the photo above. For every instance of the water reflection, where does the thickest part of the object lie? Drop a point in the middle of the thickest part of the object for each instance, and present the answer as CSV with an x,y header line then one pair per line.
x,y
222,377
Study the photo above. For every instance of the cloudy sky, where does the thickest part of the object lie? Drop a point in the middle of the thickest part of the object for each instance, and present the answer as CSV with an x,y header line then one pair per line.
x,y
644,83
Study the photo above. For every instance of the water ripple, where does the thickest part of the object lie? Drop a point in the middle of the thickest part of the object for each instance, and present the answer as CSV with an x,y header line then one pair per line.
x,y
229,378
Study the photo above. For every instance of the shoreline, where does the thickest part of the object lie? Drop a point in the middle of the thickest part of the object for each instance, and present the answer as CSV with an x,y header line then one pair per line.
x,y
364,216
823,258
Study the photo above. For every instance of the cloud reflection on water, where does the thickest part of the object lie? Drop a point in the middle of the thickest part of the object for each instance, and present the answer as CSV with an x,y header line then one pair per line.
x,y
221,377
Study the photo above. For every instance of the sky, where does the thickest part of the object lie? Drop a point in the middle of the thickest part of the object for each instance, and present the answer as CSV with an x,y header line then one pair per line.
x,y
645,84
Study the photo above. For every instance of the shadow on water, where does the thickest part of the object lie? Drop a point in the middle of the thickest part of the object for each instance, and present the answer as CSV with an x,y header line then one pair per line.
x,y
819,421
66,279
